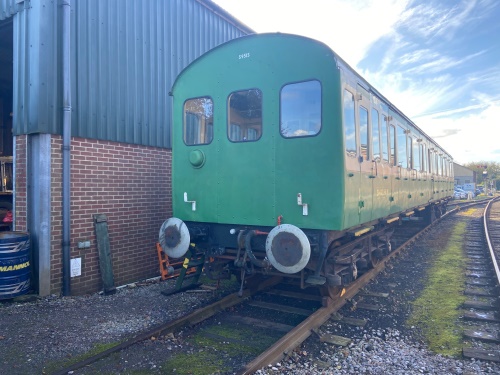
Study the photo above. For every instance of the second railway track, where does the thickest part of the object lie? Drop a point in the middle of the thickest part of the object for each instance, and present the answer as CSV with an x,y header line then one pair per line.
x,y
482,331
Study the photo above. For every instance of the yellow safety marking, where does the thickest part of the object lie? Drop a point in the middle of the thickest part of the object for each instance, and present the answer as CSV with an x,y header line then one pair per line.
x,y
186,262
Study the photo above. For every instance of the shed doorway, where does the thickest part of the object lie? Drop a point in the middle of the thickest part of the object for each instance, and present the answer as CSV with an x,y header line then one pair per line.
x,y
6,114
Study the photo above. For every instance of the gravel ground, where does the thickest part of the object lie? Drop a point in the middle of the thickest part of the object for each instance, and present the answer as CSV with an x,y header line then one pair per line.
x,y
37,337
379,352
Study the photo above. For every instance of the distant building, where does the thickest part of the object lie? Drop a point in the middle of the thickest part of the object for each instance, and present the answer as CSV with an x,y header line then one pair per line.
x,y
91,79
465,178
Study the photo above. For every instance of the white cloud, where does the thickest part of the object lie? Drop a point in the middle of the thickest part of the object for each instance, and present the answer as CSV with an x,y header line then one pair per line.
x,y
467,138
348,27
429,20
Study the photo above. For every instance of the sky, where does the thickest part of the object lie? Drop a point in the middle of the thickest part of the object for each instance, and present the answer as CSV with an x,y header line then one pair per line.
x,y
438,61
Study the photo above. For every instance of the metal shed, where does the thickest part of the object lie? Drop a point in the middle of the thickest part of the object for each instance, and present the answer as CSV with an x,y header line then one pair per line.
x,y
122,57
125,55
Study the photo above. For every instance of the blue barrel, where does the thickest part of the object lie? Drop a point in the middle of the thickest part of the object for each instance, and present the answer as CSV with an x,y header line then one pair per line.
x,y
15,264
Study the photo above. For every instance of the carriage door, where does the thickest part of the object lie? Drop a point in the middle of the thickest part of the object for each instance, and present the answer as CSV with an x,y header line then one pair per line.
x,y
379,173
403,164
367,173
352,179
430,177
246,141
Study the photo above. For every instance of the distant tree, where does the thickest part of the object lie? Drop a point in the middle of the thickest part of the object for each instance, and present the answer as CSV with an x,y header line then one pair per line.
x,y
491,167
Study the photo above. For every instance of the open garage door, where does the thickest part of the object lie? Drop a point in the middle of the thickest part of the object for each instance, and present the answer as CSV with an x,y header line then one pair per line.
x,y
6,139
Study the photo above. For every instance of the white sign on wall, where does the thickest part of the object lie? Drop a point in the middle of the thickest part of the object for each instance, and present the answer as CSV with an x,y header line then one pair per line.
x,y
76,267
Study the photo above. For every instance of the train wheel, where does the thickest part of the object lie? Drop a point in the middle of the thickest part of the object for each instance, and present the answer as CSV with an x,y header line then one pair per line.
x,y
374,260
389,246
333,292
333,287
251,282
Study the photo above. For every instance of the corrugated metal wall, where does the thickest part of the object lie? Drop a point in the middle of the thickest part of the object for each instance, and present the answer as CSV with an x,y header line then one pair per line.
x,y
10,7
36,104
125,57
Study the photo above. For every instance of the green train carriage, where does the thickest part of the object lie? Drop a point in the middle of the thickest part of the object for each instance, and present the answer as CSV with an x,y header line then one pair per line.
x,y
287,161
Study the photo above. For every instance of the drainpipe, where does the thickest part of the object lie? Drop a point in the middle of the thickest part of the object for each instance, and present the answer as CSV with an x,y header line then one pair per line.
x,y
66,105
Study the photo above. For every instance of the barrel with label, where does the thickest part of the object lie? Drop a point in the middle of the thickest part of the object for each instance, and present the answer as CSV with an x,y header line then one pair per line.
x,y
15,264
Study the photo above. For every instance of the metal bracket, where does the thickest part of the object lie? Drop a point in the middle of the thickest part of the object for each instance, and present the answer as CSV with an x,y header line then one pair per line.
x,y
193,203
305,211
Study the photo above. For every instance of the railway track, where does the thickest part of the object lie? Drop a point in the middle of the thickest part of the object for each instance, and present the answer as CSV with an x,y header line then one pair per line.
x,y
482,289
256,298
296,324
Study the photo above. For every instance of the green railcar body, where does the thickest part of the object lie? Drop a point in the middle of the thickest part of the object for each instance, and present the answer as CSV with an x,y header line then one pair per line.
x,y
309,181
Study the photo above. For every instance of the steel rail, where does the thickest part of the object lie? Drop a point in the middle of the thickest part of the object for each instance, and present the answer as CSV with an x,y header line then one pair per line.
x,y
490,245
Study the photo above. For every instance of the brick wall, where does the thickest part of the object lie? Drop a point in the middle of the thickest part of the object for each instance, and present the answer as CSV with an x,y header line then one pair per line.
x,y
21,180
129,184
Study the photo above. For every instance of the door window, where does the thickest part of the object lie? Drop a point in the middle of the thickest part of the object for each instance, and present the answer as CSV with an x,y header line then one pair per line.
x,y
383,136
363,132
245,115
349,124
416,155
392,139
402,152
375,135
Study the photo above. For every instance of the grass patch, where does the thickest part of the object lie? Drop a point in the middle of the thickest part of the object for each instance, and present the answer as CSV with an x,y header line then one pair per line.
x,y
217,344
469,212
234,340
98,348
201,363
436,310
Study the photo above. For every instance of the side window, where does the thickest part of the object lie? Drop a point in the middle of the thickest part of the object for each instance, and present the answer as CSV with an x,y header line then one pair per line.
x,y
349,124
429,159
363,132
409,141
416,155
426,157
198,127
392,139
422,156
300,105
375,135
383,135
402,154
244,119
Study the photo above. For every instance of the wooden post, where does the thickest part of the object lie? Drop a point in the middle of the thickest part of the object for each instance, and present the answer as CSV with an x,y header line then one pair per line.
x,y
105,264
